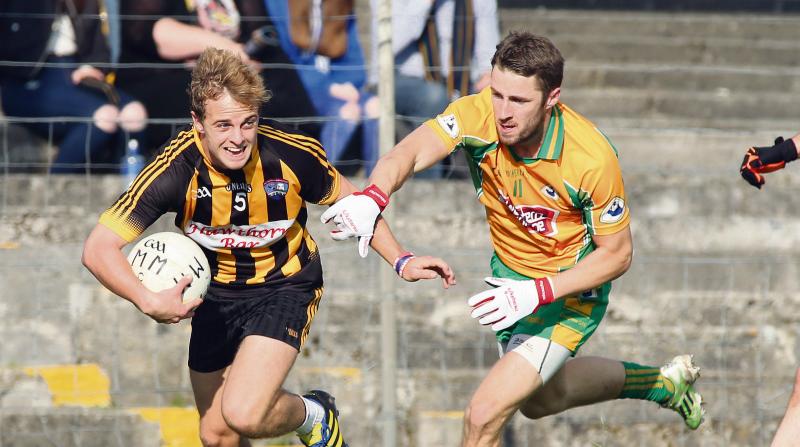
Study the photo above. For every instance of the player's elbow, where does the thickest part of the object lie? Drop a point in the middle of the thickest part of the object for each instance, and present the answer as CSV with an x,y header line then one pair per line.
x,y
624,258
88,259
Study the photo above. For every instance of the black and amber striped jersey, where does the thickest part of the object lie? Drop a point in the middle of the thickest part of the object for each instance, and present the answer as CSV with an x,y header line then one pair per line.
x,y
251,223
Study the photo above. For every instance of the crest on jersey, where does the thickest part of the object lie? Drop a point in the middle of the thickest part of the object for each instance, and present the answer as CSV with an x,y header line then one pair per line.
x,y
449,124
276,189
614,211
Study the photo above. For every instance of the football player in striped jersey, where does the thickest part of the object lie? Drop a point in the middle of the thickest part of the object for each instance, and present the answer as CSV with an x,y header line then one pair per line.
x,y
238,187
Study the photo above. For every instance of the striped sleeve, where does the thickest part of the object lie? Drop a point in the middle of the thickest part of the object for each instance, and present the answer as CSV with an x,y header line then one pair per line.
x,y
158,189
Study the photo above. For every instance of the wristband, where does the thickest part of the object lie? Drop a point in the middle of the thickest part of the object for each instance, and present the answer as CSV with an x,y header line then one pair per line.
x,y
544,290
787,150
401,261
375,193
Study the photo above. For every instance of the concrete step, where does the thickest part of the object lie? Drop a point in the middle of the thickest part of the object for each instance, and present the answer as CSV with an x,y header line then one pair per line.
x,y
661,104
720,80
709,51
636,25
76,427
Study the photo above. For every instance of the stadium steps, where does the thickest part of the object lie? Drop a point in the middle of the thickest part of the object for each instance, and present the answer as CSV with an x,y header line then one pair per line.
x,y
84,385
87,386
554,22
698,106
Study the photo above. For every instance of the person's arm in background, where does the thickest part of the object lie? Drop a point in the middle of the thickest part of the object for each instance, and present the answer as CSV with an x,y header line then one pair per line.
x,y
179,41
160,36
487,35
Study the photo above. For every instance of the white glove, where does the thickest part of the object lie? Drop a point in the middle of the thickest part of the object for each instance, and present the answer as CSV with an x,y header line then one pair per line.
x,y
355,216
510,302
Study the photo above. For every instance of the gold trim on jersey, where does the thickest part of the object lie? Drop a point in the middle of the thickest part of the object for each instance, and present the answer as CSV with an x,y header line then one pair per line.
x,y
311,311
117,217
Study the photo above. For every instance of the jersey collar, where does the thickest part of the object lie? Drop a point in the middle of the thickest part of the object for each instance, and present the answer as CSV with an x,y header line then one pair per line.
x,y
553,141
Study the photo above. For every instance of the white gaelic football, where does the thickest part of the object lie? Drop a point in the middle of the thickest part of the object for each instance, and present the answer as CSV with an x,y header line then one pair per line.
x,y
161,259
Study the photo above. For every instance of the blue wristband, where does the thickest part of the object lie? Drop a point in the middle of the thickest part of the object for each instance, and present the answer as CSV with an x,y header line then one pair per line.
x,y
401,261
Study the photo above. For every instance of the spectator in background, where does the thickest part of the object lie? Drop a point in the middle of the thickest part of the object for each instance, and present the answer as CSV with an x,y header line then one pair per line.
x,y
322,38
63,40
159,33
442,50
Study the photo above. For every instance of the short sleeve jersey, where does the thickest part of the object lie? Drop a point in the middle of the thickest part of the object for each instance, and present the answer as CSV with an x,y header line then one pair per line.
x,y
542,211
251,223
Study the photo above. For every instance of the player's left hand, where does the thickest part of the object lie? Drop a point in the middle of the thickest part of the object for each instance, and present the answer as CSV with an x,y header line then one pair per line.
x,y
510,301
762,160
428,267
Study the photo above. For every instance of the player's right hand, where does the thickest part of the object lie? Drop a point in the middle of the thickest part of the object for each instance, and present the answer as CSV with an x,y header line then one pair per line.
x,y
355,216
762,160
510,301
167,306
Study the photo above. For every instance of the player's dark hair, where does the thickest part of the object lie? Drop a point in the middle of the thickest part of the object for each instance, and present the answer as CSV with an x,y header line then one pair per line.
x,y
220,70
527,54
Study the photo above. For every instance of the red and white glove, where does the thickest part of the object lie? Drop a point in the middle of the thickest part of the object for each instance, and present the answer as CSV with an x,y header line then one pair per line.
x,y
355,216
510,301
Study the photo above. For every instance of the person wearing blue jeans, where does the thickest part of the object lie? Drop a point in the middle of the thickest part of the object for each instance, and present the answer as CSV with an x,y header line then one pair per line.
x,y
61,43
90,135
334,76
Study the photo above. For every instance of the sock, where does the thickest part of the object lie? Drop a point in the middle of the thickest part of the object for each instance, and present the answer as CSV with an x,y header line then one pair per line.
x,y
314,415
646,383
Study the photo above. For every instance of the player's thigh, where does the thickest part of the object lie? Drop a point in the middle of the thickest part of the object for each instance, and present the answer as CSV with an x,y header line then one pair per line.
x,y
509,383
259,369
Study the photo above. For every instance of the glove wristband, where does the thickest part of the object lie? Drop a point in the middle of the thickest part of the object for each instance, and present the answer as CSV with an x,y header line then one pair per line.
x,y
787,149
401,261
375,193
544,290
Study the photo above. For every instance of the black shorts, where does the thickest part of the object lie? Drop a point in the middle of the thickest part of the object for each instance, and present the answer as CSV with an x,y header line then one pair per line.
x,y
227,316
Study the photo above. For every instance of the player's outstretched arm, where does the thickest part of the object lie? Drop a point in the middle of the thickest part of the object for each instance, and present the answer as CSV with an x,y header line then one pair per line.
x,y
418,151
102,255
356,212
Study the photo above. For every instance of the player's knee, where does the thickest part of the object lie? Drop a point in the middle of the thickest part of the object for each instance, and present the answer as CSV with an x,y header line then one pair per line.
x,y
105,118
133,117
214,432
481,417
217,436
245,423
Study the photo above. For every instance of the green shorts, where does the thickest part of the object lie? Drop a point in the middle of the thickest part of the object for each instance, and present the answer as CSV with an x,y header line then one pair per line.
x,y
568,321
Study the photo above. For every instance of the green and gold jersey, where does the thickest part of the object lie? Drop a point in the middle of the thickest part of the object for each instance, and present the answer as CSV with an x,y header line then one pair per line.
x,y
251,223
542,211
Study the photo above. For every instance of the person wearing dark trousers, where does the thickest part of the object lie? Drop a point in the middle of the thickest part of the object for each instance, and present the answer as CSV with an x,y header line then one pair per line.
x,y
64,52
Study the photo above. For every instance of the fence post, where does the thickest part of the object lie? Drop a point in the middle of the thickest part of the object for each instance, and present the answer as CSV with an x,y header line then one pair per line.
x,y
386,277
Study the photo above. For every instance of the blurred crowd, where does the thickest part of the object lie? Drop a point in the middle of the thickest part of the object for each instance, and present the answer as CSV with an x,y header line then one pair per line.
x,y
91,76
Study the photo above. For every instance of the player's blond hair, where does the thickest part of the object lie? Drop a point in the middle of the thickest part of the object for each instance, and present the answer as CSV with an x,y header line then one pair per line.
x,y
218,71
527,54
